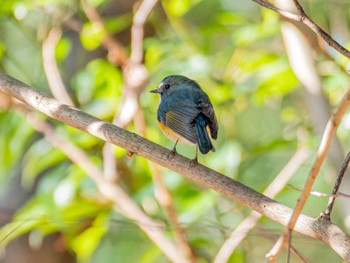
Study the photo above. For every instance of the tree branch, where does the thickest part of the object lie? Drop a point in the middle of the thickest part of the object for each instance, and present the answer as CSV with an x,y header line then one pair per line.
x,y
316,228
109,190
142,13
272,190
166,201
135,77
303,18
322,151
52,72
320,194
344,167
285,14
116,52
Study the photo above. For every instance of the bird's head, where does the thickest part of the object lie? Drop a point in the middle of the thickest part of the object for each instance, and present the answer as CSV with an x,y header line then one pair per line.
x,y
171,83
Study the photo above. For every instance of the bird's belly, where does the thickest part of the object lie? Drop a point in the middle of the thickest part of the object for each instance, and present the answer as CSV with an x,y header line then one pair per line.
x,y
173,135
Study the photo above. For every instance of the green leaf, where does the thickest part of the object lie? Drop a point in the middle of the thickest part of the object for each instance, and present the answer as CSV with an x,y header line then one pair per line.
x,y
85,243
63,48
180,7
92,35
39,157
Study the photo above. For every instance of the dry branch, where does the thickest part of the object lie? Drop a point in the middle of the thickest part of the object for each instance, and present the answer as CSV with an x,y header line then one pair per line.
x,y
272,190
303,18
315,228
165,199
344,167
109,190
322,151
52,72
116,51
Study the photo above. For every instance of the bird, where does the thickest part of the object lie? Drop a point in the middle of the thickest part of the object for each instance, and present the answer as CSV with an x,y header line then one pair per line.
x,y
186,114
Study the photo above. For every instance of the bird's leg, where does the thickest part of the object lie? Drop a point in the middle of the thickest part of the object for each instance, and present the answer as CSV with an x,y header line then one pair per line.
x,y
195,159
173,151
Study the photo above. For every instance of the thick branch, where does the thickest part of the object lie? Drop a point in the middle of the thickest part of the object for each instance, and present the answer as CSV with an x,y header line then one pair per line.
x,y
316,228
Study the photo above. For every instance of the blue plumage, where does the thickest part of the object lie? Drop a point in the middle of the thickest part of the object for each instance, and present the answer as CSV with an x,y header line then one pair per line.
x,y
204,142
185,113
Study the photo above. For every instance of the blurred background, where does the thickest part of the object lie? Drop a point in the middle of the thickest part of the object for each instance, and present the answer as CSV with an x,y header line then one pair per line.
x,y
273,85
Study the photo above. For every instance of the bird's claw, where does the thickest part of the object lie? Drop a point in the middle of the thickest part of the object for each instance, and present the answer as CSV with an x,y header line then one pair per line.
x,y
194,161
171,153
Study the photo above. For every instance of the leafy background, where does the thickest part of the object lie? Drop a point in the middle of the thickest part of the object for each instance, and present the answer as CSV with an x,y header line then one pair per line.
x,y
235,51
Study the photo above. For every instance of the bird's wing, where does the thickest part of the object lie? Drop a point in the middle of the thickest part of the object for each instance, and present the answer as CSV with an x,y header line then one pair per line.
x,y
180,119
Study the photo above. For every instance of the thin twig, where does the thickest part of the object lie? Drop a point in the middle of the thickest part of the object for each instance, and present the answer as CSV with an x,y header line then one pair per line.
x,y
344,167
319,31
52,72
327,137
295,252
66,19
165,199
319,194
116,52
140,17
276,250
133,88
298,7
109,190
135,77
303,18
127,113
272,190
298,255
135,74
285,14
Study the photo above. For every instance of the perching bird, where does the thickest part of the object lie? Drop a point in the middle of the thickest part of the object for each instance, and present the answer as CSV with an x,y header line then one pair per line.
x,y
185,113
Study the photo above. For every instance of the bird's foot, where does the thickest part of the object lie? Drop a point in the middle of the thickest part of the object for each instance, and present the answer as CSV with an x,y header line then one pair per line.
x,y
194,161
172,153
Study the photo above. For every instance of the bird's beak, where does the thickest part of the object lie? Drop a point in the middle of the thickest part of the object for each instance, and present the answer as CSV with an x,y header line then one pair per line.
x,y
154,91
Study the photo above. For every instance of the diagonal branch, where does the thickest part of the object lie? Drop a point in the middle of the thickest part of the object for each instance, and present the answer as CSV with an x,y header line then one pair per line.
x,y
166,201
272,190
109,190
283,13
305,19
116,52
325,144
316,228
52,72
344,167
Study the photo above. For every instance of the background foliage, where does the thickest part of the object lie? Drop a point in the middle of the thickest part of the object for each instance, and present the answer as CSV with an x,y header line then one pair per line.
x,y
235,51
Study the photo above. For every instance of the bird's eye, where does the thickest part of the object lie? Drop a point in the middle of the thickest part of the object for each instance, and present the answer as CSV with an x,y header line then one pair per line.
x,y
166,86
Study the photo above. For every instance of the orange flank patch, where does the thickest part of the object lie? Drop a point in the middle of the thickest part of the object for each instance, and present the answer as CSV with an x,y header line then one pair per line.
x,y
173,135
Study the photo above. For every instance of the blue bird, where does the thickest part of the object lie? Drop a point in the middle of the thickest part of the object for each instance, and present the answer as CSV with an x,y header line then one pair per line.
x,y
185,113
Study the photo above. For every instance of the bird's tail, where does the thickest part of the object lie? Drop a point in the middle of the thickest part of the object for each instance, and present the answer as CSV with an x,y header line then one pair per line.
x,y
204,142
